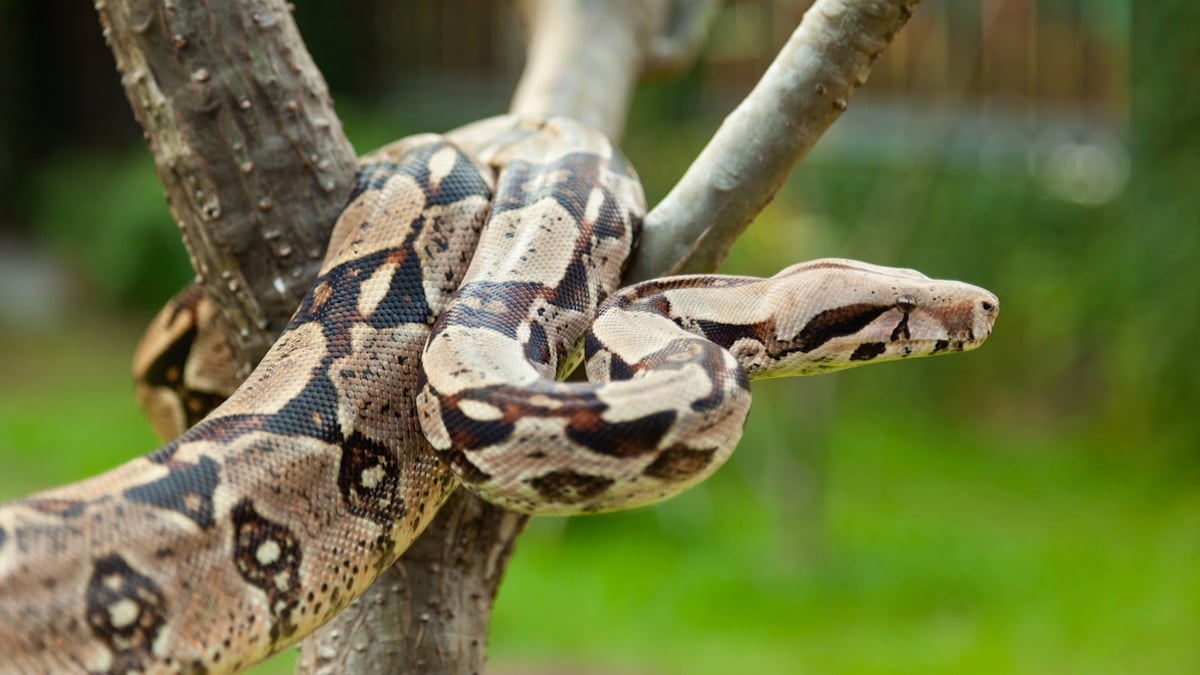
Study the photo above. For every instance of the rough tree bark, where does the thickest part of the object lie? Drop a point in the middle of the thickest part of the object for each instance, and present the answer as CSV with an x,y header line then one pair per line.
x,y
246,143
255,167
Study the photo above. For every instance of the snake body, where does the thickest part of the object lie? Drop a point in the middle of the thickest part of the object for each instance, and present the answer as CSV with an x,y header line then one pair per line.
x,y
272,513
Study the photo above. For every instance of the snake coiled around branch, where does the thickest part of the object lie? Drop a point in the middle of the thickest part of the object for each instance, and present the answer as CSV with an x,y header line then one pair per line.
x,y
273,512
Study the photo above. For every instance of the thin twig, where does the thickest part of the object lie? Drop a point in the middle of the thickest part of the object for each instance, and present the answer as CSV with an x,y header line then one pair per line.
x,y
804,90
584,57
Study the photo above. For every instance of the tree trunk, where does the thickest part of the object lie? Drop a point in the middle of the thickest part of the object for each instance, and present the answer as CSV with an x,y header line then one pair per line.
x,y
246,143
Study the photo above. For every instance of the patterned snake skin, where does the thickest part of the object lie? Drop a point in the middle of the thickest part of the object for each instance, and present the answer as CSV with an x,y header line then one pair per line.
x,y
272,513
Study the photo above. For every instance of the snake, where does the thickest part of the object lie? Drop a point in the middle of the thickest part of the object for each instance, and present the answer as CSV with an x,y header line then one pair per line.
x,y
466,276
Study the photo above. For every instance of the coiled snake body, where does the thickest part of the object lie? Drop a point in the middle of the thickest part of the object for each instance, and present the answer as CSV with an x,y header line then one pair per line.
x,y
272,513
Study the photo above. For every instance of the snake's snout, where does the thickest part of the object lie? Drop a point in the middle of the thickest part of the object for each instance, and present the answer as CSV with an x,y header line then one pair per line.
x,y
983,316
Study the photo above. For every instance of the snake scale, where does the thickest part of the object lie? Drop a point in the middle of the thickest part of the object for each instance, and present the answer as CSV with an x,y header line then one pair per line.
x,y
457,287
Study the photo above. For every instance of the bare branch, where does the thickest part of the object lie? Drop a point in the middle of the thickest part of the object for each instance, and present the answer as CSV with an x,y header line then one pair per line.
x,y
803,91
585,56
676,47
246,144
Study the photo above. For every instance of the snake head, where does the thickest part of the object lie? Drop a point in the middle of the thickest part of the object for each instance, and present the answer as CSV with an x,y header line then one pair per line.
x,y
849,313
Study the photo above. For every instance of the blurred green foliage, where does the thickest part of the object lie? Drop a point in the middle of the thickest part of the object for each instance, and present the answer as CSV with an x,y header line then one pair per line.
x,y
108,218
1161,214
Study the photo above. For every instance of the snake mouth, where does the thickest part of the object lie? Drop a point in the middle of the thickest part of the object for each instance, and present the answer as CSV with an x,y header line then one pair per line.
x,y
903,349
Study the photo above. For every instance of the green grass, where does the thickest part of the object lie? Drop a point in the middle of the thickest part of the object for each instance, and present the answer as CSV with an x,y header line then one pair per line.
x,y
66,404
924,546
936,551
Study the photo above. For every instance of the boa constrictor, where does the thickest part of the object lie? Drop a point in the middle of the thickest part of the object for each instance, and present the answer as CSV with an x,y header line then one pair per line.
x,y
272,513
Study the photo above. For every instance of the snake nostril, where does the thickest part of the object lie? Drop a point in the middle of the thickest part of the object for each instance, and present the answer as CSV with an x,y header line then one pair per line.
x,y
988,306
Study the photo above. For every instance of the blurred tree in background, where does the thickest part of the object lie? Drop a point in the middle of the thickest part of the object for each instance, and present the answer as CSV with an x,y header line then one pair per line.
x,y
1030,508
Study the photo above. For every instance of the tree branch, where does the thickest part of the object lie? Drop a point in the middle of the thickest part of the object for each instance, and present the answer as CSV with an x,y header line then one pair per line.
x,y
246,143
585,56
429,612
681,36
738,173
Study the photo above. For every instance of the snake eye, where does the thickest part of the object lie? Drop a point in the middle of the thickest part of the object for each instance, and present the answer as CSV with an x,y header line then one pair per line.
x,y
906,303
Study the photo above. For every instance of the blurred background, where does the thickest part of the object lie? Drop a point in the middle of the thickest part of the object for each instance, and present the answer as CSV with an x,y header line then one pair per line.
x,y
1033,507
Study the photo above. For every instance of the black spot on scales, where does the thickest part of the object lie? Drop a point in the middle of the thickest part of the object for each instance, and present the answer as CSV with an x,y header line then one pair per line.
x,y
567,180
619,439
537,348
267,555
679,463
867,351
497,306
569,487
126,611
468,433
405,301
463,468
369,481
186,489
837,322
312,412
